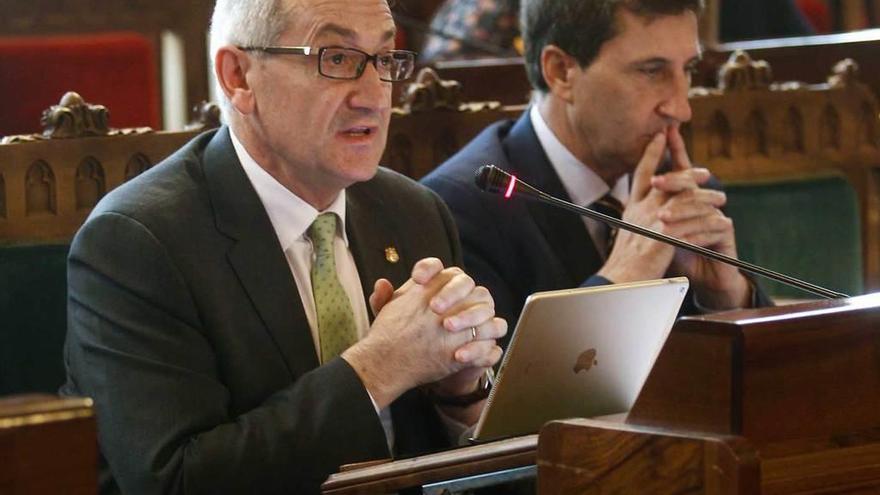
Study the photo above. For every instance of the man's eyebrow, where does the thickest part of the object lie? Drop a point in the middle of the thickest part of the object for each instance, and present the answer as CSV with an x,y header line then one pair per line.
x,y
349,34
651,61
665,61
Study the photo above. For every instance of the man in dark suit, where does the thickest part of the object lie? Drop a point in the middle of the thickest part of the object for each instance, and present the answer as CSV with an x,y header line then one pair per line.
x,y
217,304
611,86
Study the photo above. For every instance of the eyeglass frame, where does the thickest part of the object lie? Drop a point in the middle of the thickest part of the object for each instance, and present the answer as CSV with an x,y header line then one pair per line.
x,y
309,51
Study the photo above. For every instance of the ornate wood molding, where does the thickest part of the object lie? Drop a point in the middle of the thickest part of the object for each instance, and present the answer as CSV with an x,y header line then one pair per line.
x,y
740,72
844,73
206,115
73,117
429,93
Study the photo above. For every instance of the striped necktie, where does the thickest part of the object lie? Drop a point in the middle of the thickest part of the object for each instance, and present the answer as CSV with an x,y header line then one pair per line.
x,y
611,206
336,327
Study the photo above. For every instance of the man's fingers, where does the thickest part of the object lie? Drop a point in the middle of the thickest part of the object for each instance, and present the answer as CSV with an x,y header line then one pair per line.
x,y
677,150
703,231
453,291
716,241
470,315
480,353
426,269
382,293
648,166
676,182
692,204
490,329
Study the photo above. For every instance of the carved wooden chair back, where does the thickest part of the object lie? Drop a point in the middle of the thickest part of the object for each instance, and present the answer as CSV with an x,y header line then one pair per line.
x,y
802,165
433,123
48,185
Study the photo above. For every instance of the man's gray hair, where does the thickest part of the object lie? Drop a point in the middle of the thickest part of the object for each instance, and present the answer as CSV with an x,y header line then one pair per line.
x,y
245,23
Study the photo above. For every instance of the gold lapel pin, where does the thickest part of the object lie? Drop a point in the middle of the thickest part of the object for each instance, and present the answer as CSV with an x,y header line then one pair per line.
x,y
391,254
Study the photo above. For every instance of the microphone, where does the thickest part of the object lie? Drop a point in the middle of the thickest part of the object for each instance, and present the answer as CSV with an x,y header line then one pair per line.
x,y
492,179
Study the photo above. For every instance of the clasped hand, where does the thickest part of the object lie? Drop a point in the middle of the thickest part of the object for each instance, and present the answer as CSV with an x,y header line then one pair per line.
x,y
422,334
676,204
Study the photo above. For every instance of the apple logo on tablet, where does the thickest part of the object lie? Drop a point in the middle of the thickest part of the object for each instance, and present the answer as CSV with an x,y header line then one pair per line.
x,y
585,361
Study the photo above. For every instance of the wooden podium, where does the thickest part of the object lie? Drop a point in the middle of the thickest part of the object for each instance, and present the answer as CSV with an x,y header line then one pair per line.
x,y
774,401
770,401
48,444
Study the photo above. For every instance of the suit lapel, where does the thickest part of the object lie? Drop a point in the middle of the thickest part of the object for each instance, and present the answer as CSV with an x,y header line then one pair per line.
x,y
564,232
256,256
371,228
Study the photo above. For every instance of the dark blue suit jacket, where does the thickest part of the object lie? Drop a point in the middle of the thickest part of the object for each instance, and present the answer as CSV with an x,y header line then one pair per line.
x,y
517,247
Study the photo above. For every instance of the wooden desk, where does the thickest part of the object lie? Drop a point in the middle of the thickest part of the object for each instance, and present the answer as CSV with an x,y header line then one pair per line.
x,y
418,471
48,444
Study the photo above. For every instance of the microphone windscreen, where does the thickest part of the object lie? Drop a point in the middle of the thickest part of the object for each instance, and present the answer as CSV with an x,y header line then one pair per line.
x,y
491,178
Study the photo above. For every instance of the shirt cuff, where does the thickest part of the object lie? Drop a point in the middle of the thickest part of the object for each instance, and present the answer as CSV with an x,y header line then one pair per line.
x,y
457,433
375,406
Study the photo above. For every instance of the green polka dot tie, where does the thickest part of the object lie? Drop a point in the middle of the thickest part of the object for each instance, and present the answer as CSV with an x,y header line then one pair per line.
x,y
336,327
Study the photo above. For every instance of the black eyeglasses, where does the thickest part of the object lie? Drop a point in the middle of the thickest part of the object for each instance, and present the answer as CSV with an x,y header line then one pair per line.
x,y
349,63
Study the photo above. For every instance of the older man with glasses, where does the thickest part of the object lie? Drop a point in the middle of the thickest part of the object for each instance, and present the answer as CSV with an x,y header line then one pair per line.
x,y
218,310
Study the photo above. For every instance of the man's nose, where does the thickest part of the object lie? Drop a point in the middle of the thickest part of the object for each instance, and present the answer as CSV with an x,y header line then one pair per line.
x,y
677,106
371,93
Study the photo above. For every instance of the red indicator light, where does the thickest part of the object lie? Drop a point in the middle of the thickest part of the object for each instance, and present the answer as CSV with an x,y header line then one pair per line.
x,y
510,187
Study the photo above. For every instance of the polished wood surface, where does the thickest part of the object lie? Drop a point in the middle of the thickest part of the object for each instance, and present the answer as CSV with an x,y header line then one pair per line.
x,y
582,456
774,374
47,445
456,463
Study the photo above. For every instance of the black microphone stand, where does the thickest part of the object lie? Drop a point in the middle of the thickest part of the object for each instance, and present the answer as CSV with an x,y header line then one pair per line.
x,y
492,179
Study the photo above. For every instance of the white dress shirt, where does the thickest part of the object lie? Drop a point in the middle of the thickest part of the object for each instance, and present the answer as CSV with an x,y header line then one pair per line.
x,y
291,218
582,184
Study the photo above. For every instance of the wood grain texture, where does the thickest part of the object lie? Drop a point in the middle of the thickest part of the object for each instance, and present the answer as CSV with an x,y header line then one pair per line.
x,y
418,471
595,457
47,445
808,370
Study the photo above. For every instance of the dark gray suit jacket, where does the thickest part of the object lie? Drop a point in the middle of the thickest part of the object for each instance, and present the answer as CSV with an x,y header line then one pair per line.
x,y
518,247
186,328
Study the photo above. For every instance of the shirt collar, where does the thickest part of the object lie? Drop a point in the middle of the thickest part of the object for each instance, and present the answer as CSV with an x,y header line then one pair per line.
x,y
581,183
289,214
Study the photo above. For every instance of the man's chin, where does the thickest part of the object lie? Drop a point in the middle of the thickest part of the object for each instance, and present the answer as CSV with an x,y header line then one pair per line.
x,y
362,173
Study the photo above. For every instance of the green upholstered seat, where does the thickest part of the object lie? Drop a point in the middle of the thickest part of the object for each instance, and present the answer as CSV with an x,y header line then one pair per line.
x,y
809,229
33,321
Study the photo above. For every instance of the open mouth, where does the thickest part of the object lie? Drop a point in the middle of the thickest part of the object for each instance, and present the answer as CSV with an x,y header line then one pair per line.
x,y
358,131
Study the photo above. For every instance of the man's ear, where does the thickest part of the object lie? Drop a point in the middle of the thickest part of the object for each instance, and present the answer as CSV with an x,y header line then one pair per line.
x,y
557,67
231,68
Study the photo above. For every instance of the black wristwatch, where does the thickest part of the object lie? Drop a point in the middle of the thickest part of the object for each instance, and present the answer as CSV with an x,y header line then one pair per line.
x,y
484,387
